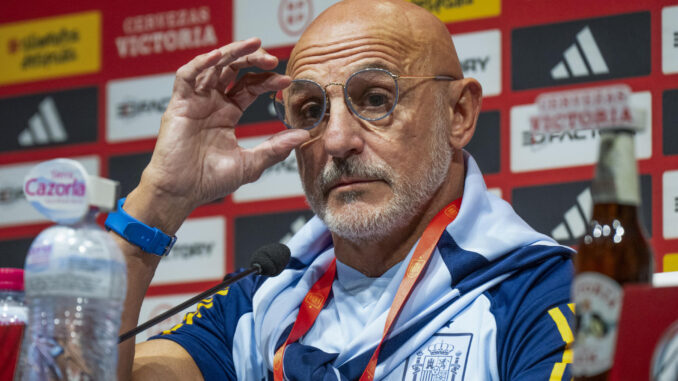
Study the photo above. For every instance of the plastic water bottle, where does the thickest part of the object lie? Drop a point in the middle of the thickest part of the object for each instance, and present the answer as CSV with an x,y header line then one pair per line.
x,y
75,278
12,319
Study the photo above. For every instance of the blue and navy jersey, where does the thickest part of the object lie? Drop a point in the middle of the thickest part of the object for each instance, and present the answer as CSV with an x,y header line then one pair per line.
x,y
518,330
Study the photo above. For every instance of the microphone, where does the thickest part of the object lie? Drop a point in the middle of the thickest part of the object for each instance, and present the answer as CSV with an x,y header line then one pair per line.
x,y
268,260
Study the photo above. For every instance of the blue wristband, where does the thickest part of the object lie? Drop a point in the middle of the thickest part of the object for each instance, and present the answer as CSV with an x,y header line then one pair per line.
x,y
149,239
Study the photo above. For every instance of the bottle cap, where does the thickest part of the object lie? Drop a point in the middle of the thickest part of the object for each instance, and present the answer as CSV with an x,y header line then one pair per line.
x,y
11,279
62,190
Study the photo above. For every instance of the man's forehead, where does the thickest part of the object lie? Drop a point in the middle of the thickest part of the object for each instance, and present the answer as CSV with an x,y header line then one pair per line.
x,y
398,32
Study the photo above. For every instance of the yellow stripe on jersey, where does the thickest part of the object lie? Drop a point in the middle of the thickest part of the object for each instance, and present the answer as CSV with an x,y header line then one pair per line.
x,y
558,371
188,318
567,336
562,324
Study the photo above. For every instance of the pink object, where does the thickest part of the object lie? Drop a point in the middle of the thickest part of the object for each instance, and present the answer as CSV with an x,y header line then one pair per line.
x,y
11,279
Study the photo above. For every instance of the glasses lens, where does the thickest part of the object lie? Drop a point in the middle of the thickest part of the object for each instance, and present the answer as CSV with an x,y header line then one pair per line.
x,y
301,105
372,93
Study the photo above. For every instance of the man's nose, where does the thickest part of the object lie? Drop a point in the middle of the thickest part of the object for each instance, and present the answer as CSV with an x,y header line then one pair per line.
x,y
342,135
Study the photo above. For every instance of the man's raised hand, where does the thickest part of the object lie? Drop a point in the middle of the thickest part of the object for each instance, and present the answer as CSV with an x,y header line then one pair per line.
x,y
197,158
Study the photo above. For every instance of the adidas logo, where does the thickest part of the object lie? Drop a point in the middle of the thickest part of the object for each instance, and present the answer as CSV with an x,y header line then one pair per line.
x,y
578,55
576,218
297,224
44,127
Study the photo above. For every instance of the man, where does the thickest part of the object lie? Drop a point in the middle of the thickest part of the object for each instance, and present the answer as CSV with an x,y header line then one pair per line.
x,y
380,155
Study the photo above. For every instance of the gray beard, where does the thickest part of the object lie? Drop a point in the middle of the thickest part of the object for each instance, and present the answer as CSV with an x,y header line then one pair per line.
x,y
410,192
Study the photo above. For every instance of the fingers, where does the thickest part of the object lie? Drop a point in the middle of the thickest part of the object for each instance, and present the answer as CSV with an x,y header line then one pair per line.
x,y
187,74
259,59
251,85
273,150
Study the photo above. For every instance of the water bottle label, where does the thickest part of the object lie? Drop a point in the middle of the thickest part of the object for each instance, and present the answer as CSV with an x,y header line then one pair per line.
x,y
598,301
56,266
94,280
58,189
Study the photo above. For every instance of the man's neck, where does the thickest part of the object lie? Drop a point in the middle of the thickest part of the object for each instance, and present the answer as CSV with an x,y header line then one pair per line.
x,y
373,258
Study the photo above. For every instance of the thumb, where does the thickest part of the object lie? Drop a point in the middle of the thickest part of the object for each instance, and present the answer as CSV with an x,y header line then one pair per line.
x,y
273,150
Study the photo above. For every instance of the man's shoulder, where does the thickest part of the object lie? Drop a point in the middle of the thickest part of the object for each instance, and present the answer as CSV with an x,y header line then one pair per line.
x,y
542,283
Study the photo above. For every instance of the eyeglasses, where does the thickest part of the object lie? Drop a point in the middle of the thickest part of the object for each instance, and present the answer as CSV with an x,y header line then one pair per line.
x,y
371,94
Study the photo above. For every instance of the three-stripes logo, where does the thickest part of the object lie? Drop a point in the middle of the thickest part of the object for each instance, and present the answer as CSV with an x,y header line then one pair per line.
x,y
564,210
49,119
580,51
44,127
251,231
573,64
575,218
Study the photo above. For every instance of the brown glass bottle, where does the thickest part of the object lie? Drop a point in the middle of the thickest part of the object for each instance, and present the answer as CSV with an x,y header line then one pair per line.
x,y
613,252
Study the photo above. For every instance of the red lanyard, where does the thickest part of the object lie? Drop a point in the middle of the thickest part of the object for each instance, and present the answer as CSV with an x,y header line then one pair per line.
x,y
317,296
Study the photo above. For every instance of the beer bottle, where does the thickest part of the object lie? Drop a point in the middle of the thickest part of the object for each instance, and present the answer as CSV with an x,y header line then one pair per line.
x,y
613,252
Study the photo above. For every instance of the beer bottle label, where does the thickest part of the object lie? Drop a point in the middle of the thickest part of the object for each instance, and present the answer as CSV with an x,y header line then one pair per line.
x,y
597,304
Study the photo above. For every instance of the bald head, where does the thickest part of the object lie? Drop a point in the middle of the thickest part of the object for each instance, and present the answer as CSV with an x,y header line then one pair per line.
x,y
418,36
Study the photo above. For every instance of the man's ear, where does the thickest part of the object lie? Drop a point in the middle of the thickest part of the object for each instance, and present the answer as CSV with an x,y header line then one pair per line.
x,y
465,111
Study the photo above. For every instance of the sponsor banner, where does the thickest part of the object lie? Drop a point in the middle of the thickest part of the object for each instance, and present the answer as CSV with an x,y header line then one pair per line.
x,y
14,208
461,10
168,31
581,51
585,109
127,169
670,39
153,306
670,122
670,204
199,254
485,146
134,106
50,47
280,180
261,110
49,119
480,57
536,150
278,23
13,252
563,211
252,232
670,262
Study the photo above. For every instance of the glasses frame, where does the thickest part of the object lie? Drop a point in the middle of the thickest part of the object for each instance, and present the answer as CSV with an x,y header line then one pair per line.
x,y
347,98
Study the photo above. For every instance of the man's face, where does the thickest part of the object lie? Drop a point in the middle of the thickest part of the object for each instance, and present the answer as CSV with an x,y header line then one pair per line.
x,y
367,179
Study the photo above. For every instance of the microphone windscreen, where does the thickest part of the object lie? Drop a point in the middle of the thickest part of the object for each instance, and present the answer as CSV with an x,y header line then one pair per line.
x,y
271,258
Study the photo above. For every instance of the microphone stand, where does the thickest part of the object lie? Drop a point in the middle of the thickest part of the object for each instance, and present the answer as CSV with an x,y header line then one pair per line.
x,y
229,279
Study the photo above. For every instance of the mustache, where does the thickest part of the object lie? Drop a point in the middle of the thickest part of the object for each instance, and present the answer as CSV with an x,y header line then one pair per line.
x,y
338,168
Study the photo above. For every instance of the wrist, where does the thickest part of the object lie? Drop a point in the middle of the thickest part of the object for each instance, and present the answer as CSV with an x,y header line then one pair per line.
x,y
158,209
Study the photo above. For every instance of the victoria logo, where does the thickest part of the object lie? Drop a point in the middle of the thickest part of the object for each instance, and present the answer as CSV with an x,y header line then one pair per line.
x,y
575,62
44,127
578,51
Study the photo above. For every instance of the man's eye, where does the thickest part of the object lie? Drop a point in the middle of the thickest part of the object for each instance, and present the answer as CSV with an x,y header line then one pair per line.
x,y
311,110
375,100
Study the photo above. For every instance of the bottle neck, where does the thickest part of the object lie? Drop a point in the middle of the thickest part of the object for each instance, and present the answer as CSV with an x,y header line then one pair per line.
x,y
616,180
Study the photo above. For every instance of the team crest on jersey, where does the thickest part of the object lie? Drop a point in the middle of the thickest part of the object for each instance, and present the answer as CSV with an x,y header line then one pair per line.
x,y
442,358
